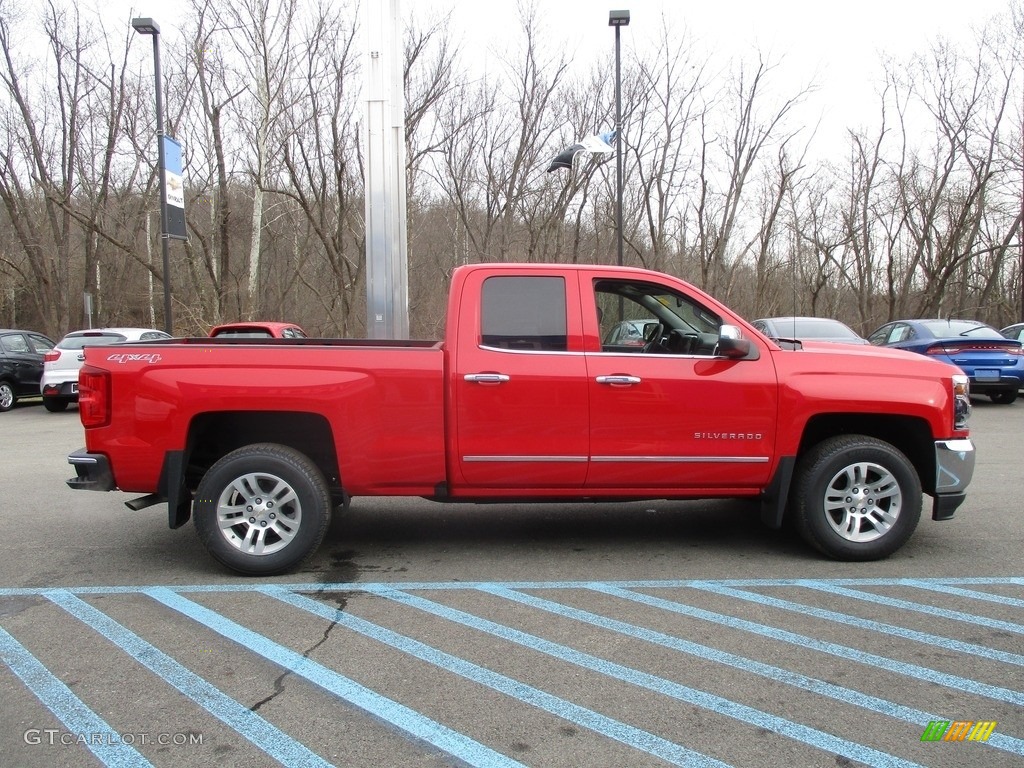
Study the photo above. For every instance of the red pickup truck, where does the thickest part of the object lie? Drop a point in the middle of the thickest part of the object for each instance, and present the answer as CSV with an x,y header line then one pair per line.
x,y
528,399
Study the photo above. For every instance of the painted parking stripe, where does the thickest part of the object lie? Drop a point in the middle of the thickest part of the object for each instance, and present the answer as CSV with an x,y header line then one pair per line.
x,y
80,721
971,594
938,641
907,605
833,649
416,586
839,693
711,702
408,720
587,718
247,723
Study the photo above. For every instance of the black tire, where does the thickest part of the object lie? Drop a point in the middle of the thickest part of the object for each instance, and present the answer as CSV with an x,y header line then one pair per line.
x,y
280,501
55,404
7,396
1004,398
855,498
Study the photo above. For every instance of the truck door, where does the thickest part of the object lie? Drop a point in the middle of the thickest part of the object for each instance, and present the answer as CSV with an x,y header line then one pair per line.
x,y
668,413
520,385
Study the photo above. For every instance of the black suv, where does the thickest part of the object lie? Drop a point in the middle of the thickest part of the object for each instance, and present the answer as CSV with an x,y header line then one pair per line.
x,y
21,364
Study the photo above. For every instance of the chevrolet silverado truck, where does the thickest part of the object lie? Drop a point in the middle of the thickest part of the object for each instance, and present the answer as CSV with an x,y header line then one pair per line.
x,y
530,397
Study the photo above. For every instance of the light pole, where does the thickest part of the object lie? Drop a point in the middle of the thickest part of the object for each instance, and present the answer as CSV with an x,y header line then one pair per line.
x,y
150,27
618,19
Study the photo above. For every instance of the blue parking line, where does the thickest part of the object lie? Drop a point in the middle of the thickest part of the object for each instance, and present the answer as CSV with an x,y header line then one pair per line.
x,y
717,704
88,729
970,594
417,586
833,649
907,605
946,643
247,723
404,718
813,685
627,734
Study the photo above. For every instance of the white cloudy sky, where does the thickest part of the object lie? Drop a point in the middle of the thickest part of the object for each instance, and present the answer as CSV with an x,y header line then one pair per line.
x,y
841,43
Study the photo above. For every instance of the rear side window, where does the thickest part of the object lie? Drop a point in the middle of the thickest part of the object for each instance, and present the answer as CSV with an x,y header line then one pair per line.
x,y
524,313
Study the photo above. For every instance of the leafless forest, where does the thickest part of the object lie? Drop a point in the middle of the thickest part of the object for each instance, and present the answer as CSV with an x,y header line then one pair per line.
x,y
724,185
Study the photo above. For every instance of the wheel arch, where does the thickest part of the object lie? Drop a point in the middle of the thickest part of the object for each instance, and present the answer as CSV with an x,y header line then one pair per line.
x,y
911,436
213,435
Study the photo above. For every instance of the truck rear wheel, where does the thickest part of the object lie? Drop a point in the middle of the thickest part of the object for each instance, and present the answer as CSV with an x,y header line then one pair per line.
x,y
262,509
856,498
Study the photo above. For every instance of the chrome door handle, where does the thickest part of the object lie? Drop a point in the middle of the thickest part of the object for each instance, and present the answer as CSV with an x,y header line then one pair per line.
x,y
487,378
620,380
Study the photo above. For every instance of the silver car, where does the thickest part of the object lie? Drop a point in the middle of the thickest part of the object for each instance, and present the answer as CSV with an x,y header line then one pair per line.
x,y
808,329
59,384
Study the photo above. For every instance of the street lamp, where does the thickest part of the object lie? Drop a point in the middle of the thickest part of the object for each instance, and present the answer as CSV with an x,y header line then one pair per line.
x,y
150,27
618,19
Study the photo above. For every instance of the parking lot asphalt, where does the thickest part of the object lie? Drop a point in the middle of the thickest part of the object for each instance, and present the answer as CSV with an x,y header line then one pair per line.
x,y
550,635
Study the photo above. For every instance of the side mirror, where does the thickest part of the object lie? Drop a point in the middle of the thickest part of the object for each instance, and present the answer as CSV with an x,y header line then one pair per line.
x,y
731,343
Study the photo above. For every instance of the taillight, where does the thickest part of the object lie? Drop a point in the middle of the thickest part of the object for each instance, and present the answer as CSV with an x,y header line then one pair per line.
x,y
51,356
93,397
978,346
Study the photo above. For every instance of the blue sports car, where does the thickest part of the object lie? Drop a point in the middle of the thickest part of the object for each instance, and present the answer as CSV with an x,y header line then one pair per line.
x,y
994,363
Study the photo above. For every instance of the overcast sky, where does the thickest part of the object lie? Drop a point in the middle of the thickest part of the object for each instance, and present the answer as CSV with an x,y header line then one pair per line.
x,y
841,44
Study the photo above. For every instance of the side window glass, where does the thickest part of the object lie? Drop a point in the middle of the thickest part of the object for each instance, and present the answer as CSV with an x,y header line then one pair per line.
x,y
650,318
15,343
41,343
524,313
898,334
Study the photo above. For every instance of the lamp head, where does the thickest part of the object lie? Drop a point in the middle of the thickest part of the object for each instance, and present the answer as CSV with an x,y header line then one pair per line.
x,y
146,26
618,18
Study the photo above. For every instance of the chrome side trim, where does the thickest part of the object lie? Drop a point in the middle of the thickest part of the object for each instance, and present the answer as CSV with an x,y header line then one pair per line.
x,y
682,459
543,459
531,351
624,459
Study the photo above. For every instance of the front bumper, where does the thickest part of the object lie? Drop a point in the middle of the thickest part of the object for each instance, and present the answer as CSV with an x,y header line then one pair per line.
x,y
94,473
954,468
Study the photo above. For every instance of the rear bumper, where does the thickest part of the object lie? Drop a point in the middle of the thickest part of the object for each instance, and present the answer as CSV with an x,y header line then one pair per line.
x,y
65,390
954,469
93,472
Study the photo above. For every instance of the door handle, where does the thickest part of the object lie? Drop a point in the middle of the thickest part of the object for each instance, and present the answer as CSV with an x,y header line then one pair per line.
x,y
486,378
621,380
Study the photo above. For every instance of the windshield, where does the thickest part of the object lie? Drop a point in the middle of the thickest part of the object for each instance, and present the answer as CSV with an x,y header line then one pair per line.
x,y
91,340
945,328
817,329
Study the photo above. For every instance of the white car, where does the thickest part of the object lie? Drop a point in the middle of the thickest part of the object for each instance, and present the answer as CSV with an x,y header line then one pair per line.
x,y
59,384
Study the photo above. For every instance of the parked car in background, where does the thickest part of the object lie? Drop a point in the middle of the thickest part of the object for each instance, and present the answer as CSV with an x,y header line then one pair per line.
x,y
59,384
808,329
258,330
1014,331
21,364
628,333
994,363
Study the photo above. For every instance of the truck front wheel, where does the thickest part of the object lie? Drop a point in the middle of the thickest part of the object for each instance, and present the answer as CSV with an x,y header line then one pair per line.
x,y
262,509
856,498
